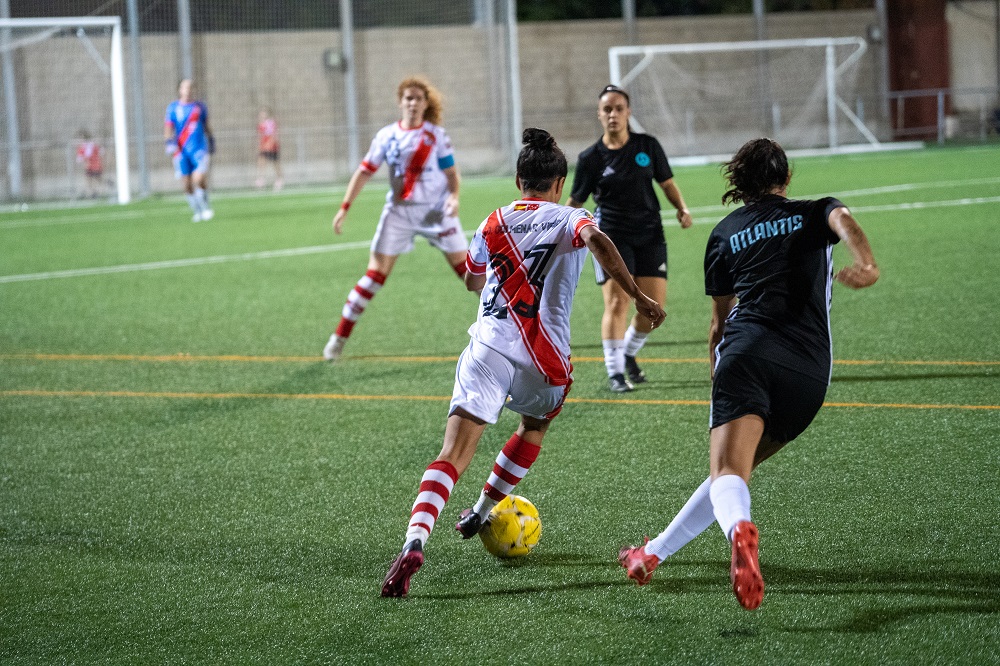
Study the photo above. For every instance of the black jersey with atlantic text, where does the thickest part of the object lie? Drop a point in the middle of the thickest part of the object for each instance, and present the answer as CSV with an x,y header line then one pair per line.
x,y
622,183
776,255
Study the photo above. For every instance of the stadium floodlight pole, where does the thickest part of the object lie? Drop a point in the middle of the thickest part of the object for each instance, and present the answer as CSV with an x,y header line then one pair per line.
x,y
10,102
514,81
184,35
350,83
138,98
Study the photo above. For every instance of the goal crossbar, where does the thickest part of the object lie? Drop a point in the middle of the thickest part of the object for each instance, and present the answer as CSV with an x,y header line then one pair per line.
x,y
116,74
833,70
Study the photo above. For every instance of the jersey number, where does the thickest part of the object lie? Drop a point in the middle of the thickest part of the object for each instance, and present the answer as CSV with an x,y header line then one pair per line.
x,y
536,259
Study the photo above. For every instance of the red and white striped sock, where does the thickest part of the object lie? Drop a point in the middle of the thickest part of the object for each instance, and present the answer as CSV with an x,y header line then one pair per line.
x,y
510,467
364,291
435,488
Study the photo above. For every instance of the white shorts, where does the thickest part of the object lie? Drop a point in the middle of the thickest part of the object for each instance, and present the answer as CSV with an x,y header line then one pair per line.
x,y
485,378
401,223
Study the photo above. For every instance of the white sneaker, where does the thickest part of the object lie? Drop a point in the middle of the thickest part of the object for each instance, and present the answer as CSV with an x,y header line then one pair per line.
x,y
334,347
207,214
196,217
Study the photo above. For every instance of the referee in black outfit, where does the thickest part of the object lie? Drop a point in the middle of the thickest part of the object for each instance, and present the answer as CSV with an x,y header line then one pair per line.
x,y
769,271
619,170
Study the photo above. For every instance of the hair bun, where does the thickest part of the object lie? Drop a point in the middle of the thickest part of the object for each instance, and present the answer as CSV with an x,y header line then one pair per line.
x,y
538,139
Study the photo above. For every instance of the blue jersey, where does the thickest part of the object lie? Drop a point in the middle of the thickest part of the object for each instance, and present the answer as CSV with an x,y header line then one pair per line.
x,y
187,124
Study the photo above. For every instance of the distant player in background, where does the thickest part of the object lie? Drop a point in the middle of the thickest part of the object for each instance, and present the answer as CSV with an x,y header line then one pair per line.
x,y
769,271
90,155
619,170
268,149
526,259
189,142
422,198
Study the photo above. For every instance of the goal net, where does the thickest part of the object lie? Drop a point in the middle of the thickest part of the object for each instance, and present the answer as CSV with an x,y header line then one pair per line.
x,y
62,129
710,98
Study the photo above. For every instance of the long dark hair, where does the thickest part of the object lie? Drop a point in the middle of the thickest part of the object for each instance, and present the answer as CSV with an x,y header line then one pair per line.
x,y
755,170
541,161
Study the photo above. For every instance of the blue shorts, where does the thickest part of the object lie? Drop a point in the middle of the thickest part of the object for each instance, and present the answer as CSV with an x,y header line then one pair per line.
x,y
185,164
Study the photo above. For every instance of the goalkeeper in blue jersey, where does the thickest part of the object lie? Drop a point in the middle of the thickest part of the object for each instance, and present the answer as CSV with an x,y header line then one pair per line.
x,y
189,142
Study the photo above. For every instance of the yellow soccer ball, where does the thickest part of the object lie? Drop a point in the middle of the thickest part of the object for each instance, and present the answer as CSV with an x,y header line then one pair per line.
x,y
513,528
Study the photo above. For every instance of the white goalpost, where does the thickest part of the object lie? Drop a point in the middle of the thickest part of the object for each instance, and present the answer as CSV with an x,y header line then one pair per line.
x,y
709,98
82,58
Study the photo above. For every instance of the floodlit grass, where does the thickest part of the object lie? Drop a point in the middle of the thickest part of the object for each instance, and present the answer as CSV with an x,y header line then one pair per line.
x,y
182,480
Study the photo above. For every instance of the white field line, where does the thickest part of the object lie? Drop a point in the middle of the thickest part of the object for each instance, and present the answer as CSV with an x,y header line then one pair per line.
x,y
180,263
318,249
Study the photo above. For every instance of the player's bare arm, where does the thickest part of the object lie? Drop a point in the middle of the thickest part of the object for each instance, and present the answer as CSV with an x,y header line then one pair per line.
x,y
474,282
358,181
676,199
722,307
607,256
454,180
863,272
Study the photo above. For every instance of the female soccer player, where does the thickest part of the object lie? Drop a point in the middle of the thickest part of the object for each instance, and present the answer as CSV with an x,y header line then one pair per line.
x,y
619,170
422,199
268,149
526,259
188,141
769,271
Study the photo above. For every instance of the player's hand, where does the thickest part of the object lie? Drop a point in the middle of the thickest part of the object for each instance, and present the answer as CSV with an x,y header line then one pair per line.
x,y
684,217
170,148
650,309
451,205
338,221
858,277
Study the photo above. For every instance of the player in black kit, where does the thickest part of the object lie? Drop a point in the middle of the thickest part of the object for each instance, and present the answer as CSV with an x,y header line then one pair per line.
x,y
769,271
619,170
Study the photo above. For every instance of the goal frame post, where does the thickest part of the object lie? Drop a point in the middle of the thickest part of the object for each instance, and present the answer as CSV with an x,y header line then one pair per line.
x,y
831,70
116,67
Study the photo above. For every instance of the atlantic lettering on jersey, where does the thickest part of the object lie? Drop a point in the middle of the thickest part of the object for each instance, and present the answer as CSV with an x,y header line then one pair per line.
x,y
743,239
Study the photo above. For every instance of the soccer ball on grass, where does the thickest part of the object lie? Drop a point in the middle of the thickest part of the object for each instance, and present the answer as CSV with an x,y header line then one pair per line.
x,y
512,529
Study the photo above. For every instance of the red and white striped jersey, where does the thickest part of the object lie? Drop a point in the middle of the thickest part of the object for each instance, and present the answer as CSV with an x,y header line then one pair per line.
x,y
267,132
532,255
416,159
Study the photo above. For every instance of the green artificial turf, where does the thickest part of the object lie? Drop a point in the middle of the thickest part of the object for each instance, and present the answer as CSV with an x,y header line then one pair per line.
x,y
183,480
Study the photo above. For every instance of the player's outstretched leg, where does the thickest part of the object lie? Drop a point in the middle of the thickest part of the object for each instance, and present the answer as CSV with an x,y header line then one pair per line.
x,y
744,572
359,298
397,580
512,463
639,565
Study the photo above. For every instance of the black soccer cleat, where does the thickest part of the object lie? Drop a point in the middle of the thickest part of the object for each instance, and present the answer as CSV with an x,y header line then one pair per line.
x,y
635,373
397,580
469,523
618,384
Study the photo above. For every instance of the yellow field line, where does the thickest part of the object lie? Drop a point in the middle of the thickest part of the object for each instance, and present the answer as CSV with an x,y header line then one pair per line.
x,y
234,358
39,393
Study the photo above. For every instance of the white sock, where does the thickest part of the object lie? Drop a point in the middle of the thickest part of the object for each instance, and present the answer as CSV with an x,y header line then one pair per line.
x,y
193,202
634,340
730,502
614,356
695,517
202,197
484,505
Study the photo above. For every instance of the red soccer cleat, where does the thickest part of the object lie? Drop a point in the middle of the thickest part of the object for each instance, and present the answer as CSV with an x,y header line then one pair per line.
x,y
748,584
638,565
397,580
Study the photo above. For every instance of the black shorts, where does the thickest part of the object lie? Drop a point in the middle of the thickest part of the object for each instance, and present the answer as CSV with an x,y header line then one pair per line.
x,y
787,400
644,256
271,155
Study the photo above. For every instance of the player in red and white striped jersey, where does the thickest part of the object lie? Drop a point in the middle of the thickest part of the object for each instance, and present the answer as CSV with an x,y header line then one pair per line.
x,y
90,154
422,199
526,258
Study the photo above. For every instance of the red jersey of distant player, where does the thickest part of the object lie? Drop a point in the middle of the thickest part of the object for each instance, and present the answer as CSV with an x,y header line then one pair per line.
x,y
267,130
89,154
